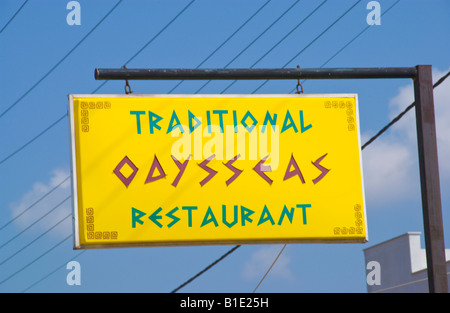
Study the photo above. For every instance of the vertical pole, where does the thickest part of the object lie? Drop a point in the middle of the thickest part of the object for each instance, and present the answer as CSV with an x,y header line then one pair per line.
x,y
429,180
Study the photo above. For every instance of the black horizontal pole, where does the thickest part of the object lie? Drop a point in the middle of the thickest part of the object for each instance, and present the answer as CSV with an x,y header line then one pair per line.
x,y
253,74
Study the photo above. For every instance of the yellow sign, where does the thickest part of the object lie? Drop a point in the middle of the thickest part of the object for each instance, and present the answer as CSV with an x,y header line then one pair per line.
x,y
216,169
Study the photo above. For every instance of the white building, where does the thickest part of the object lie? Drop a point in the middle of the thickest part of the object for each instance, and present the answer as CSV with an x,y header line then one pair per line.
x,y
399,265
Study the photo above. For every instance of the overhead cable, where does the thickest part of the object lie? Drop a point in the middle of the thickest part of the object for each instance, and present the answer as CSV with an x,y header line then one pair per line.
x,y
10,20
226,40
94,91
314,40
281,40
60,61
253,41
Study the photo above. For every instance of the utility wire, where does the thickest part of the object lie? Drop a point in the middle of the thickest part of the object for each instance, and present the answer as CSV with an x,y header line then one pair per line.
x,y
36,259
228,39
280,41
160,32
273,263
314,40
350,42
36,202
149,41
54,271
32,224
35,239
45,76
96,89
60,61
399,116
10,20
359,34
32,139
254,40
322,33
206,268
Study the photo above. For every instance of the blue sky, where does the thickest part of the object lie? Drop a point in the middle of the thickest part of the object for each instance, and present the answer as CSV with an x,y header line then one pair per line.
x,y
38,73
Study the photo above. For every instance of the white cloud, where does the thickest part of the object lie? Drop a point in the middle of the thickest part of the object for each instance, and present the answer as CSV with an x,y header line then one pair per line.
x,y
35,209
262,259
391,170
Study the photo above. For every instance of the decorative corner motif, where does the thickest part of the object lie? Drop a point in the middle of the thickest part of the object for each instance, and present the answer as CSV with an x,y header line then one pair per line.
x,y
92,233
352,230
341,105
84,112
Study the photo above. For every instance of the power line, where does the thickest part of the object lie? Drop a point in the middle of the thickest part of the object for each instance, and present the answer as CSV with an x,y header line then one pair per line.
x,y
351,41
151,40
54,271
226,40
10,20
399,116
60,61
95,90
280,41
206,268
36,202
101,85
314,40
35,239
32,224
160,32
32,139
254,40
36,259
273,263
39,219
323,32
359,34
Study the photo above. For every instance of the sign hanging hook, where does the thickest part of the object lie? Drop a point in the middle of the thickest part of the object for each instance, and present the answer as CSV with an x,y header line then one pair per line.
x,y
127,85
298,84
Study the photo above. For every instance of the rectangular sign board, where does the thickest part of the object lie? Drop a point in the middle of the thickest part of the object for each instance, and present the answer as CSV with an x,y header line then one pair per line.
x,y
215,169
